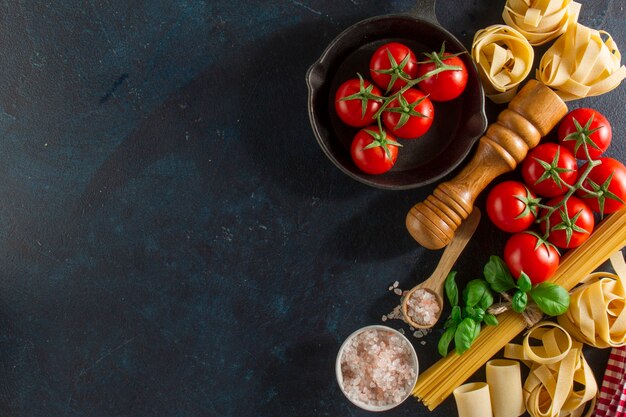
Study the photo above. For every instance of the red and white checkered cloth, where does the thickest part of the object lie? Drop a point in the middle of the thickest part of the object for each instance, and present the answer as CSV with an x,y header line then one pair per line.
x,y
612,399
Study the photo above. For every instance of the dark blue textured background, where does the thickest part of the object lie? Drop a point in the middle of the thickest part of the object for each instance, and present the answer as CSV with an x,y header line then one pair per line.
x,y
173,241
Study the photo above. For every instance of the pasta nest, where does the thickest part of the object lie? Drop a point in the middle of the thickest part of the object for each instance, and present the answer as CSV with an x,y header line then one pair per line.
x,y
504,59
560,382
597,312
583,62
540,21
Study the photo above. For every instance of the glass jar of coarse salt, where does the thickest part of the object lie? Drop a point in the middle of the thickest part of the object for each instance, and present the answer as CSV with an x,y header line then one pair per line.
x,y
376,368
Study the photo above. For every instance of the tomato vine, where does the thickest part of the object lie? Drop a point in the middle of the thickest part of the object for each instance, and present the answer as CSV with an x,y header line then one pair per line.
x,y
397,73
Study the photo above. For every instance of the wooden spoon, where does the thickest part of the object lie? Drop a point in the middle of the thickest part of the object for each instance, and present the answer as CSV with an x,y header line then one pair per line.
x,y
435,283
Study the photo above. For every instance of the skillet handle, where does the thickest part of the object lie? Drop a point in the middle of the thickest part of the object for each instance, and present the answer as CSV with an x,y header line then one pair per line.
x,y
425,10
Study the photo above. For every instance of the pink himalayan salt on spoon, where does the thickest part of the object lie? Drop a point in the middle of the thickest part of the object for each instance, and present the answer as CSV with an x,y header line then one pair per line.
x,y
422,305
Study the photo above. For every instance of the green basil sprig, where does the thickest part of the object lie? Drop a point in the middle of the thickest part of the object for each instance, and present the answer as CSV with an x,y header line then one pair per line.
x,y
550,298
463,325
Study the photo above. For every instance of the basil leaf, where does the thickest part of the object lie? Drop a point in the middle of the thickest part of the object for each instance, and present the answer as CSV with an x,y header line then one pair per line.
x,y
552,299
449,323
444,341
497,275
491,320
486,301
523,282
464,336
477,293
479,314
456,314
519,302
476,331
452,291
475,313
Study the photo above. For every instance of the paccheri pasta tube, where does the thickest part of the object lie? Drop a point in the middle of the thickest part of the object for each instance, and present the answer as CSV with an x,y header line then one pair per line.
x,y
504,58
583,62
597,312
540,21
505,386
560,383
472,400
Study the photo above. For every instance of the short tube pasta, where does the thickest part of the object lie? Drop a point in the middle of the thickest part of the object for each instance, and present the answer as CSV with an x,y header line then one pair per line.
x,y
505,386
472,400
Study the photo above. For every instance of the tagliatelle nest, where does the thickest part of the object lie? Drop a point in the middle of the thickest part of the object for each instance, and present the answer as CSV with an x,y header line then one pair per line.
x,y
583,62
504,58
540,21
597,313
560,382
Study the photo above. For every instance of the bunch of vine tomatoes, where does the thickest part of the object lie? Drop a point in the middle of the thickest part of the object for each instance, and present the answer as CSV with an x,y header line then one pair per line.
x,y
566,185
397,103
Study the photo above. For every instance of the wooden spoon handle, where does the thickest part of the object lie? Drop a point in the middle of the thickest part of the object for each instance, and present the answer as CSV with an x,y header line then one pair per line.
x,y
534,111
453,250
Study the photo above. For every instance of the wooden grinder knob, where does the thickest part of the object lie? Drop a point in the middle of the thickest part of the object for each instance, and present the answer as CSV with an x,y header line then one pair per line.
x,y
534,111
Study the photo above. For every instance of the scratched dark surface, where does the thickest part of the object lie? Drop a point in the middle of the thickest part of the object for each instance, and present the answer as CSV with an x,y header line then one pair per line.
x,y
173,242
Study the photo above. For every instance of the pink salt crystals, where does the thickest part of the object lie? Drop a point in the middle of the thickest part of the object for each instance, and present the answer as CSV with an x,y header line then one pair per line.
x,y
423,308
378,368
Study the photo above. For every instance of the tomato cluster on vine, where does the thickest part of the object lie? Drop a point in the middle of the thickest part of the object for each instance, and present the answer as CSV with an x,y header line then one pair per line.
x,y
404,110
559,199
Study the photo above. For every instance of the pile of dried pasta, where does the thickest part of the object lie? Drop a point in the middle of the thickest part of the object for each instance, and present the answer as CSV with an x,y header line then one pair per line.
x,y
436,383
583,62
560,382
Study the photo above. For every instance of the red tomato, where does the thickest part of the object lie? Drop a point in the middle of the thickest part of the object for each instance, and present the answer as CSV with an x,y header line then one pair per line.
x,y
609,181
511,206
547,168
391,65
446,85
355,102
373,151
410,115
527,252
582,128
570,225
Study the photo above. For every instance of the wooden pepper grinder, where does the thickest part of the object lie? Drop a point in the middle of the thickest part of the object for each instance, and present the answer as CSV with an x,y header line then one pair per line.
x,y
534,111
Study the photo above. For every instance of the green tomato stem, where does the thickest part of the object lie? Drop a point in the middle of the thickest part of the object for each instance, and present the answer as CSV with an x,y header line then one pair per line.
x,y
412,83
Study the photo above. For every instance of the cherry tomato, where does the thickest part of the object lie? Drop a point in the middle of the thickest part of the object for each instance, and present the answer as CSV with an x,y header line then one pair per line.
x,y
570,225
527,252
391,65
410,115
446,85
585,126
547,168
373,151
355,102
609,180
511,206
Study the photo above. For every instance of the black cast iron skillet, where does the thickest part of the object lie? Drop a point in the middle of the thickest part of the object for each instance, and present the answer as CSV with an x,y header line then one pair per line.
x,y
457,124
